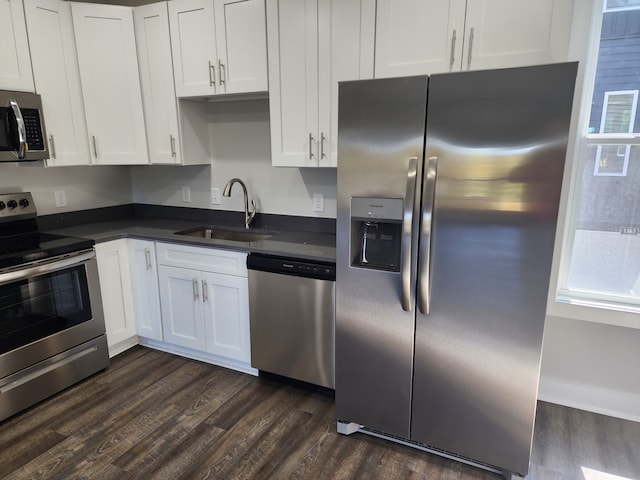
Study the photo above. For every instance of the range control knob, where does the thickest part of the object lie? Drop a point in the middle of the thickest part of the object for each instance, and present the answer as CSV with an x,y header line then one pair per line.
x,y
2,205
12,204
24,202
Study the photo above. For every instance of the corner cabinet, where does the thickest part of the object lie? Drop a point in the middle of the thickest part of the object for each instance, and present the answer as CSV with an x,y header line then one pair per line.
x,y
117,295
57,80
144,285
218,46
106,46
205,303
172,138
469,35
15,60
312,45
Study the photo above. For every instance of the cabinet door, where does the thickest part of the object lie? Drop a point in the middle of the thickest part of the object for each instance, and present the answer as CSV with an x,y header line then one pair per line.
x,y
512,33
15,61
181,306
226,311
57,79
241,40
156,78
144,283
346,30
115,287
292,43
418,37
193,45
110,82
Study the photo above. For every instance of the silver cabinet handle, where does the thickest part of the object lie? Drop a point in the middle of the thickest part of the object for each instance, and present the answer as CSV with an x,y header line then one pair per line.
x,y
22,131
453,49
52,146
94,141
310,146
222,70
194,284
322,139
205,296
424,269
212,74
407,223
147,258
172,142
471,32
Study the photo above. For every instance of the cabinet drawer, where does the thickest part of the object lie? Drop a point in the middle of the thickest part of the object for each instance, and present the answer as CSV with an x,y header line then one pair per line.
x,y
203,258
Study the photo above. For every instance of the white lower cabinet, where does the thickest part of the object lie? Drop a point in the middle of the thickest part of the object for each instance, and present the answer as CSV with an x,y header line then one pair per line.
x,y
144,283
117,295
205,303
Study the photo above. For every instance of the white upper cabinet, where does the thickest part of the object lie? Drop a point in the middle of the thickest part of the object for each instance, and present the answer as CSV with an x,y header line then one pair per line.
x,y
313,44
156,78
241,40
57,79
416,37
15,61
177,133
219,46
512,33
106,46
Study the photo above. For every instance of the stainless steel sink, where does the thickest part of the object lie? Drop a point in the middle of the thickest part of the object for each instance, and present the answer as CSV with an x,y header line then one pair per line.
x,y
224,234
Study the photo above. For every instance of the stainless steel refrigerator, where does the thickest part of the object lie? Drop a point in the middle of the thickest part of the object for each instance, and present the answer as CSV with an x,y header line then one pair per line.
x,y
448,191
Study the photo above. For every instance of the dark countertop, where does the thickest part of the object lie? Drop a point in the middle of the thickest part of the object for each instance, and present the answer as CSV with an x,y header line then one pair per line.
x,y
290,243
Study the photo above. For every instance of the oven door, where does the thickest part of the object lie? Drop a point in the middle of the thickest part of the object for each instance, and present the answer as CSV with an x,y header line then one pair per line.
x,y
47,308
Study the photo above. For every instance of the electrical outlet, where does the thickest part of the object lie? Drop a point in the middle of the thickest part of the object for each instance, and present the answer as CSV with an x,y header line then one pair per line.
x,y
186,194
318,202
215,196
61,198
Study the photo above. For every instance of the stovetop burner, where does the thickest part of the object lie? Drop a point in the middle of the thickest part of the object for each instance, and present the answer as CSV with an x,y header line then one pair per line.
x,y
20,240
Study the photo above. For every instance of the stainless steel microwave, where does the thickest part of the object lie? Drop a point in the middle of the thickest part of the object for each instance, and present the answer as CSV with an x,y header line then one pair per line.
x,y
22,133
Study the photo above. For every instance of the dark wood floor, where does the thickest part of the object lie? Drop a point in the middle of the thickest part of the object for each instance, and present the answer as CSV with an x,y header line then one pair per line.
x,y
152,415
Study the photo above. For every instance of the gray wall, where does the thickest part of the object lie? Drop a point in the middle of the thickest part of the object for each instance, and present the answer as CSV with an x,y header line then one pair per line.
x,y
85,187
241,147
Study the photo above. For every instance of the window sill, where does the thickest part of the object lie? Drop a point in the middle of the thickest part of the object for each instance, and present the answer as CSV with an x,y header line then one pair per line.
x,y
609,313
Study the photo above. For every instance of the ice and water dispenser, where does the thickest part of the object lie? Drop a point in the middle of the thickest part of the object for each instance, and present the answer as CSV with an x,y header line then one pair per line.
x,y
376,232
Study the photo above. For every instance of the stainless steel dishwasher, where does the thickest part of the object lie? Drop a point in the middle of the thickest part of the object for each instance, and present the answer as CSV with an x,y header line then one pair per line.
x,y
291,304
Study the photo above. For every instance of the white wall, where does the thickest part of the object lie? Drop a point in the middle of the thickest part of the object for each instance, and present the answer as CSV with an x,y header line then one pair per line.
x,y
591,366
85,187
240,146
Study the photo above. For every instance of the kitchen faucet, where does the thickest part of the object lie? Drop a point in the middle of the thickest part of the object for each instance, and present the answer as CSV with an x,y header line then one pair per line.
x,y
248,217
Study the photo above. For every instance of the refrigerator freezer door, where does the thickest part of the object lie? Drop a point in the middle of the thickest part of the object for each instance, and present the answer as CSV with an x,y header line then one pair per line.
x,y
374,334
500,139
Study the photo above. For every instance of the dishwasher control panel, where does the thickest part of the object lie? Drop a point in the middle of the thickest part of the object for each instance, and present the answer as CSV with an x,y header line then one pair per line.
x,y
288,266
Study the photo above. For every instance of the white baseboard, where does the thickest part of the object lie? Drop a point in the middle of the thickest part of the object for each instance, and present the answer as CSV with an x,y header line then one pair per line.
x,y
593,399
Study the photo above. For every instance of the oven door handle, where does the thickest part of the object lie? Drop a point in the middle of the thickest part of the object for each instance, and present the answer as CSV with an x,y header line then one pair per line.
x,y
55,264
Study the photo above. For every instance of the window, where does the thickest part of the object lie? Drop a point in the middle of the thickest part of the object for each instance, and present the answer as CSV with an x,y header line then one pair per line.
x,y
601,259
618,116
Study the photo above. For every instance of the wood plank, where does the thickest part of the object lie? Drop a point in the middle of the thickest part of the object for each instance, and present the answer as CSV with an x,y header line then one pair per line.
x,y
152,415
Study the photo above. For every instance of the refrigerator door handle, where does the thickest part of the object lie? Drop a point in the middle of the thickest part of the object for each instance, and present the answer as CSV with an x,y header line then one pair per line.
x,y
424,272
407,221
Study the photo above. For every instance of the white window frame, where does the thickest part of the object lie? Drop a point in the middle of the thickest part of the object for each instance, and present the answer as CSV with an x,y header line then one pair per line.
x,y
618,9
603,118
606,309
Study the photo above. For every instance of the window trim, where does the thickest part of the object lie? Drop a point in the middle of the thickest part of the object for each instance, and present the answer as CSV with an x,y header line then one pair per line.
x,y
618,9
